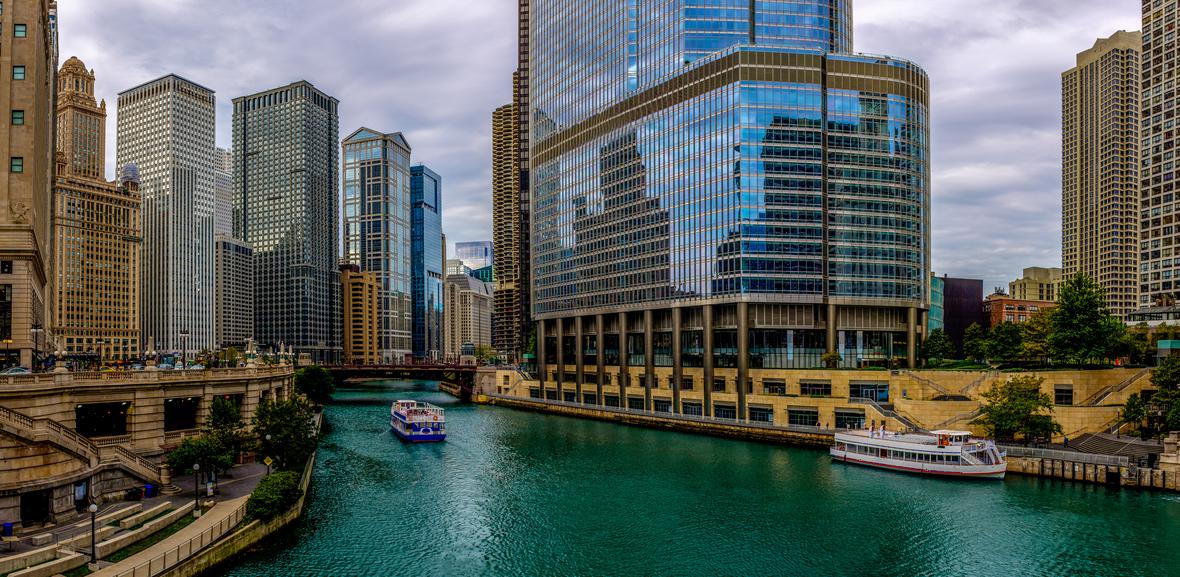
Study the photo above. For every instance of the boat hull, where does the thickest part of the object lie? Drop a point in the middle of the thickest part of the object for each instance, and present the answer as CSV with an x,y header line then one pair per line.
x,y
415,436
935,470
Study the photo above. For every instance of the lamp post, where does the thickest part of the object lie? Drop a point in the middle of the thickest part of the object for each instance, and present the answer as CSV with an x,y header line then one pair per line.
x,y
196,490
268,456
184,349
99,343
7,343
93,508
36,330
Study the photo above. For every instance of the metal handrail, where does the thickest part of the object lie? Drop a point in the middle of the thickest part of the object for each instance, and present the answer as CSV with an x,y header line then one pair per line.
x,y
1059,455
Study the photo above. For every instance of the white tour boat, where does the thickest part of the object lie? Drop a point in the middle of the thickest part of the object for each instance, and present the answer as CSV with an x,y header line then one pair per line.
x,y
949,453
417,422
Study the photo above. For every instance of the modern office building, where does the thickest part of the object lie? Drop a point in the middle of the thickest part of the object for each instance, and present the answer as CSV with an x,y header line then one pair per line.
x,y
428,250
1037,284
96,231
377,228
166,129
456,266
286,177
509,318
936,317
223,192
1159,267
476,255
27,88
468,315
362,315
1100,169
719,192
962,305
234,309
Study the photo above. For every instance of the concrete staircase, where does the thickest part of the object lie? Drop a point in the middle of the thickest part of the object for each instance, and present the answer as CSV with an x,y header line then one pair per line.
x,y
1097,398
48,431
968,416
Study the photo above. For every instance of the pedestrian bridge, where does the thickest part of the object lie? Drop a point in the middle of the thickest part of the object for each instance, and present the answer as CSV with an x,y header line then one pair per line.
x,y
462,376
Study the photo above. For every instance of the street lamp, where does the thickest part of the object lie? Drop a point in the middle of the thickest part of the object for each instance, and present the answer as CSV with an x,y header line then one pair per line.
x,y
7,342
93,508
196,493
36,330
268,456
184,348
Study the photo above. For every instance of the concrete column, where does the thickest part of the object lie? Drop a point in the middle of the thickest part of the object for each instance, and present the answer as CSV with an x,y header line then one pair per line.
x,y
831,329
601,356
707,314
911,345
648,362
743,352
623,360
677,370
560,357
542,367
579,351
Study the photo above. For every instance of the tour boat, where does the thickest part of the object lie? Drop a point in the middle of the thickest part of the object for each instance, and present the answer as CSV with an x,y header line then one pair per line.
x,y
944,453
415,421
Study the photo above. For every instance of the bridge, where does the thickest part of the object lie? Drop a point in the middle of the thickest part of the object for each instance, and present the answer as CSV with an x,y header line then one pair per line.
x,y
462,376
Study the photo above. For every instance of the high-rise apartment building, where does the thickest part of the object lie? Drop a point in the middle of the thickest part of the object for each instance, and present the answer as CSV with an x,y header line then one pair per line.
x,y
1100,164
1159,267
166,129
223,192
377,228
720,192
27,85
234,304
428,250
361,293
96,230
509,322
468,314
286,174
475,254
1037,284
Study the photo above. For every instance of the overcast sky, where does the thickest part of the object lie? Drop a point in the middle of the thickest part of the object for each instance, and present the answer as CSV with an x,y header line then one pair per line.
x,y
435,70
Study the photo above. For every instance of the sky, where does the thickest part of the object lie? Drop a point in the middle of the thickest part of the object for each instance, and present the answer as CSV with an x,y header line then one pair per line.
x,y
436,69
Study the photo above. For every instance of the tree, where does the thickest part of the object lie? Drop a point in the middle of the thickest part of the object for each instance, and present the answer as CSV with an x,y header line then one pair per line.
x,y
831,359
210,453
286,431
315,383
1035,340
1005,342
1018,407
483,353
975,343
938,346
1081,327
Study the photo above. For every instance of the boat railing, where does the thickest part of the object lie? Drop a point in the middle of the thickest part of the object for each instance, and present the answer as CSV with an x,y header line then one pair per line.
x,y
1059,455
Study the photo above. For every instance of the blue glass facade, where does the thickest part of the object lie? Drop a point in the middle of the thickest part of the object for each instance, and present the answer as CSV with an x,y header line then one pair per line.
x,y
427,262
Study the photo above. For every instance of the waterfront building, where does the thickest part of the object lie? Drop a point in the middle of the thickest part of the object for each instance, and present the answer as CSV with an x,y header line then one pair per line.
x,y
1159,267
223,192
27,86
362,315
1001,308
286,173
166,129
377,227
1100,169
428,250
468,314
96,230
936,318
1037,284
508,231
475,254
234,309
731,191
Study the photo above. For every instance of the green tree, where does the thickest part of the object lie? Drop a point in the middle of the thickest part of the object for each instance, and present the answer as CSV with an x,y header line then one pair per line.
x,y
831,359
483,353
1034,343
1081,327
286,431
1017,407
315,383
938,346
1005,344
212,454
975,342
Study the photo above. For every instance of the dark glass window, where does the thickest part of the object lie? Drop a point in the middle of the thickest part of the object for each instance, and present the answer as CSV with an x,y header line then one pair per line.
x,y
16,164
805,417
570,396
1063,395
590,398
20,30
18,117
534,393
815,388
18,72
663,406
725,411
6,308
762,414
181,413
686,383
850,419
662,349
610,400
694,409
719,385
774,386
635,403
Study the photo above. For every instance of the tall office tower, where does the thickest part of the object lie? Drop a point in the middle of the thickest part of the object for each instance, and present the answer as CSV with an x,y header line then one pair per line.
x,y
1099,171
377,228
286,174
508,313
730,193
234,304
166,128
475,254
27,87
223,192
523,296
467,314
96,230
1159,267
428,249
361,293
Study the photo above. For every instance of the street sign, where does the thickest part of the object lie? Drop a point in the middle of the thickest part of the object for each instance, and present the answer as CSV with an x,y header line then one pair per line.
x,y
267,461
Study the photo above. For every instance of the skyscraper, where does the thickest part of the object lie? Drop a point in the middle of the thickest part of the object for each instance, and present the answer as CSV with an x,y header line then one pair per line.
x,y
467,314
1100,164
377,228
223,192
361,292
1159,276
234,303
427,262
96,230
166,129
286,174
509,317
475,254
718,191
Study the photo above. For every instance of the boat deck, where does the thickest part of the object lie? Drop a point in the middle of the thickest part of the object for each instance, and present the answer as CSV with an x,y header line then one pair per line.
x,y
913,438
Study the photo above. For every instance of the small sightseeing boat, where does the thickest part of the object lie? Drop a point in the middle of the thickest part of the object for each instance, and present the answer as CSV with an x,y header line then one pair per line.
x,y
944,453
415,421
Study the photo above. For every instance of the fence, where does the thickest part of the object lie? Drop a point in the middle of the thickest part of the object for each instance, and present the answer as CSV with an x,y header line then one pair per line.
x,y
1059,455
168,559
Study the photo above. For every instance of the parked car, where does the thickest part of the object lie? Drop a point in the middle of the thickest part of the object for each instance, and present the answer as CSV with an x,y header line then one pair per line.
x,y
15,371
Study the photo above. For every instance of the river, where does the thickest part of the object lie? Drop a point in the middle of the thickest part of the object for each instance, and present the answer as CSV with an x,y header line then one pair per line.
x,y
518,493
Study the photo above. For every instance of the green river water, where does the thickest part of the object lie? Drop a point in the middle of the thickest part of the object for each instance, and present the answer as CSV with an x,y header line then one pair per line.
x,y
518,493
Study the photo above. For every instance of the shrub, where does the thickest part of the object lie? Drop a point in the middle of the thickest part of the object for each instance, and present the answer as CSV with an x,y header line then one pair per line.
x,y
275,495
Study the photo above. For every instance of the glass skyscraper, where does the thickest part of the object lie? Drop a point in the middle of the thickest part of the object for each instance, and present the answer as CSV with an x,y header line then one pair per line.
x,y
286,148
377,229
720,189
427,262
475,254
